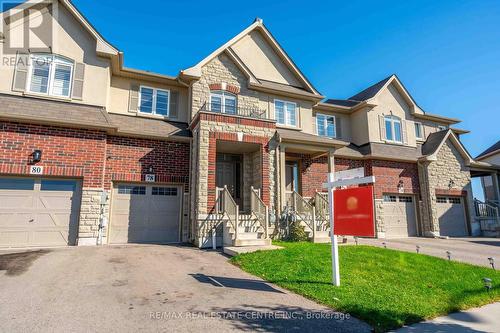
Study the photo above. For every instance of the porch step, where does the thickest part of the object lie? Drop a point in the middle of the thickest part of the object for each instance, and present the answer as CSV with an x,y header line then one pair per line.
x,y
252,242
235,250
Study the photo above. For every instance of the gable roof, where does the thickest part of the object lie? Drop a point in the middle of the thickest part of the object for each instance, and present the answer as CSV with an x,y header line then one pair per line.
x,y
371,91
257,25
490,151
103,47
436,140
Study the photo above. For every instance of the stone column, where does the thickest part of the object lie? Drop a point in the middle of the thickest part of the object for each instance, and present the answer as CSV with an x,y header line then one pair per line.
x,y
282,185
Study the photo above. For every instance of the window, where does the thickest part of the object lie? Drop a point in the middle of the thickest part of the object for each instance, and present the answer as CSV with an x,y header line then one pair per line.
x,y
129,189
441,200
222,102
393,129
17,184
405,199
454,200
419,131
50,75
58,185
167,191
390,198
154,101
326,125
286,113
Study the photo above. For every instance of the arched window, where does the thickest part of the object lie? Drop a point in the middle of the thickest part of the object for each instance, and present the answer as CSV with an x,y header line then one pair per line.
x,y
393,129
223,102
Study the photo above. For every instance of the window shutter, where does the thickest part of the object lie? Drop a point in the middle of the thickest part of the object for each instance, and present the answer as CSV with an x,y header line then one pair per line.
x,y
133,104
338,127
173,111
21,72
383,135
404,131
78,81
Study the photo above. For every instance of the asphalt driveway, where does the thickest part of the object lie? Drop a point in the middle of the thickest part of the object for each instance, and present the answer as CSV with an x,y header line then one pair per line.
x,y
472,250
149,288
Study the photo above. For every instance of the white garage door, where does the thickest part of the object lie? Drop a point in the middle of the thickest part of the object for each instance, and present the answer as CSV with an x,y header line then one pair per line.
x,y
38,212
143,213
451,214
399,216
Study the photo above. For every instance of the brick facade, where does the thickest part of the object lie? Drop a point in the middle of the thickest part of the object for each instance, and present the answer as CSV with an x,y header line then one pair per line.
x,y
95,158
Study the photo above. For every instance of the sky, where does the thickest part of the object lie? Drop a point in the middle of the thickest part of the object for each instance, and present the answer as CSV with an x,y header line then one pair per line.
x,y
446,52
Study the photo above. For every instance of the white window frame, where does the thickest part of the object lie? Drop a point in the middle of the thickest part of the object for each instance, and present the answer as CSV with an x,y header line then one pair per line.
x,y
53,60
419,124
153,109
223,95
285,114
325,126
393,119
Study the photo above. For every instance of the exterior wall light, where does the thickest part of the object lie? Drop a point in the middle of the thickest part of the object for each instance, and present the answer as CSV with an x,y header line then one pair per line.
x,y
36,156
487,283
451,184
401,186
492,262
151,169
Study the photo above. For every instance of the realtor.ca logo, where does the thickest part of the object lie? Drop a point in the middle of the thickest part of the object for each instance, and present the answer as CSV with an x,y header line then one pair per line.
x,y
27,27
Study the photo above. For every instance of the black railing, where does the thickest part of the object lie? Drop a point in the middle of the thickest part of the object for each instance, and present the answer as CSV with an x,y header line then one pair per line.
x,y
232,110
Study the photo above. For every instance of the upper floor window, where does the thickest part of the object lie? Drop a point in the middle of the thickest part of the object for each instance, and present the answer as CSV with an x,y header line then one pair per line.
x,y
393,129
154,101
286,113
222,101
50,75
326,125
419,131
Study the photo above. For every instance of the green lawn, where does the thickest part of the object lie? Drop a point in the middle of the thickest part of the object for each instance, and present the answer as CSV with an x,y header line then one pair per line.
x,y
385,288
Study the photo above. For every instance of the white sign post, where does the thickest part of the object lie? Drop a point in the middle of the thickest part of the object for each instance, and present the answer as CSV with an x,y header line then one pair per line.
x,y
348,178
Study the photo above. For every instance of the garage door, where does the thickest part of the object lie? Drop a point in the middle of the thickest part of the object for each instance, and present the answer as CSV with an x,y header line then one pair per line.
x,y
145,214
399,216
38,212
451,215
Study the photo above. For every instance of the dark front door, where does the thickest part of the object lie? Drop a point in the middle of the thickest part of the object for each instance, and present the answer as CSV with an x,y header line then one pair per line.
x,y
229,174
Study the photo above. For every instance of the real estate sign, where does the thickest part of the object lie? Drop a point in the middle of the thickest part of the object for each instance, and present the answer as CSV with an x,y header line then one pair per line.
x,y
354,212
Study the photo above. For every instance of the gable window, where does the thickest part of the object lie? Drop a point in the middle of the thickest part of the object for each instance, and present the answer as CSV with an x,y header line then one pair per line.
x,y
223,102
154,101
419,131
285,113
50,75
326,125
393,129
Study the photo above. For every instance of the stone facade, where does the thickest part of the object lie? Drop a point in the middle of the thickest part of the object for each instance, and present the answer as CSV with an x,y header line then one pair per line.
x,y
448,175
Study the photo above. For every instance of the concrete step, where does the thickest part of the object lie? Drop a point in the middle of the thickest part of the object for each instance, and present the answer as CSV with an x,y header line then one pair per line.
x,y
250,235
252,242
235,250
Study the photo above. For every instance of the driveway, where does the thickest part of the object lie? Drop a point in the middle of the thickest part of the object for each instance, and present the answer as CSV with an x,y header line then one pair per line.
x,y
471,250
149,288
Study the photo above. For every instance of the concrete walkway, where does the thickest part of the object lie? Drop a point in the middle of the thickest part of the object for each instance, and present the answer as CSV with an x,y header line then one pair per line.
x,y
149,289
471,250
484,319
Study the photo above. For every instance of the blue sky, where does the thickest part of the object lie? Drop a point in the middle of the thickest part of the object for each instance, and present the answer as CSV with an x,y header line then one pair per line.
x,y
446,52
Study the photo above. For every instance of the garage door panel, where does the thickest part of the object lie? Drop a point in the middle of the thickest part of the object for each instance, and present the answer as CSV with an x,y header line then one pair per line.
x,y
145,214
451,216
399,216
38,212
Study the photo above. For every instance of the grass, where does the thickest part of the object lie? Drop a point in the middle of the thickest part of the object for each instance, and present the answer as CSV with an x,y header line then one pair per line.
x,y
385,288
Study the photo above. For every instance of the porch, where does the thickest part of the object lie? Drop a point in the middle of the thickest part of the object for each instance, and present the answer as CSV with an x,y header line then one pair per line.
x,y
487,211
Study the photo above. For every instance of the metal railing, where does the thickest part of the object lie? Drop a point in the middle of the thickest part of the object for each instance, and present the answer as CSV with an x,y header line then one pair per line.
x,y
322,211
484,210
232,110
259,210
226,205
303,209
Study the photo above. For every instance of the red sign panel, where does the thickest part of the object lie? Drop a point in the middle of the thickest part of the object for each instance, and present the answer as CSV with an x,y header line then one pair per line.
x,y
353,212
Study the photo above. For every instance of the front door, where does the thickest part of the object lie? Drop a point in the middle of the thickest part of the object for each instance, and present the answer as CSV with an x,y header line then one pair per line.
x,y
229,174
291,179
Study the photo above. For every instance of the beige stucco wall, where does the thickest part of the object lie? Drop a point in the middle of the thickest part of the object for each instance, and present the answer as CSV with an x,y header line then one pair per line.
x,y
71,41
120,93
262,60
359,126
